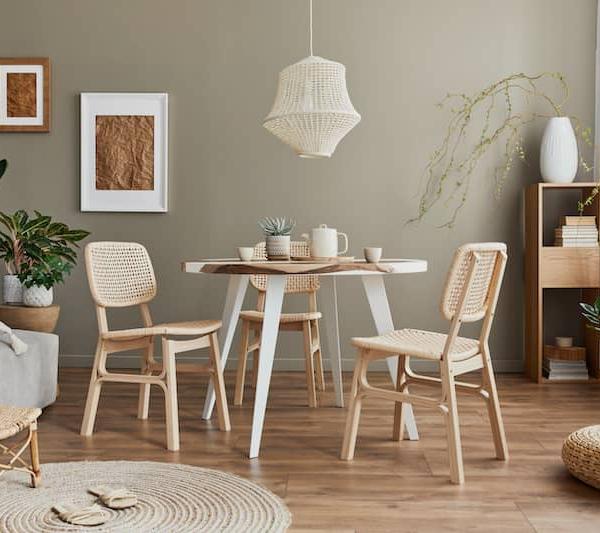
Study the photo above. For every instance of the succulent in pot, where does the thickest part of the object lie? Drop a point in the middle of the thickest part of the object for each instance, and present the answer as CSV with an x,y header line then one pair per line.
x,y
277,232
37,252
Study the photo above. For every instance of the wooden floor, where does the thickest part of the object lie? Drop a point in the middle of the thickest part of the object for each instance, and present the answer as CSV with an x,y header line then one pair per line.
x,y
389,486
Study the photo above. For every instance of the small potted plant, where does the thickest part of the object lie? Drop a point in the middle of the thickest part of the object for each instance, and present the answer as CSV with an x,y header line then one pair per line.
x,y
277,237
39,278
31,248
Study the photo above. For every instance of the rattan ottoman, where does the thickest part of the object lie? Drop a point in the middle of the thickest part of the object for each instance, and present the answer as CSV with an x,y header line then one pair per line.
x,y
581,455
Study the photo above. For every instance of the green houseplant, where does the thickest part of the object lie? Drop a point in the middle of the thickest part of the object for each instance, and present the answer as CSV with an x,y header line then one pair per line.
x,y
37,252
591,312
3,165
277,232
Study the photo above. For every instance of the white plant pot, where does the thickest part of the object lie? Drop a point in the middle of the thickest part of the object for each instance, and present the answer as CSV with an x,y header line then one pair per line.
x,y
12,290
37,296
278,247
559,157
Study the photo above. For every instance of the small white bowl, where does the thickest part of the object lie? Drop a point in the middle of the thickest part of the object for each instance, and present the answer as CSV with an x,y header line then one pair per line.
x,y
563,342
246,253
373,255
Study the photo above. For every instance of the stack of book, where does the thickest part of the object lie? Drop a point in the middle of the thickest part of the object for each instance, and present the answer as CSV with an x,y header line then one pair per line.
x,y
557,369
564,363
576,231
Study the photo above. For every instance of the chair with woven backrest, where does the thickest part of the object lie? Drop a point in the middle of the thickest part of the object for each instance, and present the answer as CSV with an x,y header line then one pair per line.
x,y
470,295
13,421
120,274
306,322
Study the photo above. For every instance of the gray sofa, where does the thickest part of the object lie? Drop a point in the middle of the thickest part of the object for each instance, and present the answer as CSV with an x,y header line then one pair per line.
x,y
29,379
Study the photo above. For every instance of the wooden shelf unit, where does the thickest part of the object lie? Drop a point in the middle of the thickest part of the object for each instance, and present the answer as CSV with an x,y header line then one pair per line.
x,y
554,267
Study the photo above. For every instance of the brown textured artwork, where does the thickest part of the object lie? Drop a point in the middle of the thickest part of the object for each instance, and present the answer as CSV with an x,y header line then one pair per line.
x,y
21,94
125,152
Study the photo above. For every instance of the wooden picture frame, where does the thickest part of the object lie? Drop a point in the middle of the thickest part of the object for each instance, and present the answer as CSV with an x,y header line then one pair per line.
x,y
124,144
25,94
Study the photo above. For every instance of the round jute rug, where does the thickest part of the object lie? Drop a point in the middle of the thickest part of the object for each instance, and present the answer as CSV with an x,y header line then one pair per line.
x,y
172,498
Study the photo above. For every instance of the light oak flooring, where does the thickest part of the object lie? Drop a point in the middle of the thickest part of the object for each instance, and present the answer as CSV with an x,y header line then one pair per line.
x,y
389,486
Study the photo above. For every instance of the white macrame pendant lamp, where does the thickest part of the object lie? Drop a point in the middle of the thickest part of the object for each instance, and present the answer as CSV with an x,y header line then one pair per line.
x,y
312,111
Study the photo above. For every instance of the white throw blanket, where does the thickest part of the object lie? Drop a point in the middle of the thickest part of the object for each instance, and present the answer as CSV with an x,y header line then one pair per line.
x,y
7,336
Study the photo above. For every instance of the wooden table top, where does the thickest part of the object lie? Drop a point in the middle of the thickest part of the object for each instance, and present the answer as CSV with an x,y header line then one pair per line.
x,y
282,268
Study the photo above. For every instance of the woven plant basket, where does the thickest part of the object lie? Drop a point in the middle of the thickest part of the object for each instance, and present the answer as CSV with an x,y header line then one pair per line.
x,y
581,455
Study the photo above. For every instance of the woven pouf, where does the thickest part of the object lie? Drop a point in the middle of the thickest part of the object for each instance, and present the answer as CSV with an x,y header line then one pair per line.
x,y
581,455
171,498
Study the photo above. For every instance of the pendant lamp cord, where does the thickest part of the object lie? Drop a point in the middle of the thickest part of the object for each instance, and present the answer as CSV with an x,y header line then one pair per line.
x,y
310,26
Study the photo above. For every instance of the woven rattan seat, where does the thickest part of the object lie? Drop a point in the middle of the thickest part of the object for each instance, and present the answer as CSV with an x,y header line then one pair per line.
x,y
419,343
194,327
581,455
307,323
470,295
120,274
13,420
286,318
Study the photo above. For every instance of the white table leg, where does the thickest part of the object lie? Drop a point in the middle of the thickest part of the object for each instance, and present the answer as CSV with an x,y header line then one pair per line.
x,y
382,316
328,306
236,291
268,341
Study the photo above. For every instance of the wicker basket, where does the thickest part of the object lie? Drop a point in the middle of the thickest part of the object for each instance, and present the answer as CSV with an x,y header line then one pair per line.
x,y
581,455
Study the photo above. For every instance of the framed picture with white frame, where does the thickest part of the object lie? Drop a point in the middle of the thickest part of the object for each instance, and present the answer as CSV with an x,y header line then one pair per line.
x,y
124,141
25,94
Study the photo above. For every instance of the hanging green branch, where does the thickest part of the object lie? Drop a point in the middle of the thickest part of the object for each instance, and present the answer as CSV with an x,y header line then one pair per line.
x,y
452,165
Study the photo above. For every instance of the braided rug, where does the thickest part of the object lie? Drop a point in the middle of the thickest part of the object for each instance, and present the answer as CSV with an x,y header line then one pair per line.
x,y
172,497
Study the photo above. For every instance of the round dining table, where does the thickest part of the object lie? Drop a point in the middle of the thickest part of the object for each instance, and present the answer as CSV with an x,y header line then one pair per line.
x,y
239,272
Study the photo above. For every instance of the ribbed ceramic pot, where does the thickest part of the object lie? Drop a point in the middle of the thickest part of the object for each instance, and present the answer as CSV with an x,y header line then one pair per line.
x,y
278,247
37,296
12,290
559,157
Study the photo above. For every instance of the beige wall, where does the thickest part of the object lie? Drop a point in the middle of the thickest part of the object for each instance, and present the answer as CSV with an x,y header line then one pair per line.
x,y
218,60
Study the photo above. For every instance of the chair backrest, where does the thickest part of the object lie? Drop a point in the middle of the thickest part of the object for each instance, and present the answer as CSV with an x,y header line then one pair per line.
x,y
120,274
481,266
295,283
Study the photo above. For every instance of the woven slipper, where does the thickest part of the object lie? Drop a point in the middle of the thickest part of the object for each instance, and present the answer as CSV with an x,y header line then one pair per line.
x,y
119,498
92,515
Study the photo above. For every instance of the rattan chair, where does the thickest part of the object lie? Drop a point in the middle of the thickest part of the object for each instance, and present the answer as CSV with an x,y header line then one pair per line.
x,y
307,323
15,420
120,274
470,295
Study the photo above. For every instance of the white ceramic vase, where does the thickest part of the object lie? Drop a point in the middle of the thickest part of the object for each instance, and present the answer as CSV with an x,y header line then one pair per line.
x,y
37,296
559,157
278,247
12,290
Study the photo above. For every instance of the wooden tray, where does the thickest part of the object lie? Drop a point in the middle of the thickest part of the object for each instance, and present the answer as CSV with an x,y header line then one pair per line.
x,y
571,353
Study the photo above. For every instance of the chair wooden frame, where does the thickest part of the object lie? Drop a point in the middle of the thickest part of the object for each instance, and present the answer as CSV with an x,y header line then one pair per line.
x,y
449,369
152,372
309,327
18,449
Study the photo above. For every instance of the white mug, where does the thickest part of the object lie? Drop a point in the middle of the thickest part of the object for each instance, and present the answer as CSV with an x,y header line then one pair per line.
x,y
373,255
246,253
324,242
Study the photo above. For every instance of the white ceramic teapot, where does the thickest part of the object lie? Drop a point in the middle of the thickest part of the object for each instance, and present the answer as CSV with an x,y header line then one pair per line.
x,y
323,242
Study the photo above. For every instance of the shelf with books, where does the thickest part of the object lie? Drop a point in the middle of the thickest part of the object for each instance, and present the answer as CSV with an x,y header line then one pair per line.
x,y
549,266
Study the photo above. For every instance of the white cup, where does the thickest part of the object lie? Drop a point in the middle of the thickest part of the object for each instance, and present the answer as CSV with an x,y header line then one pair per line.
x,y
373,255
246,253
